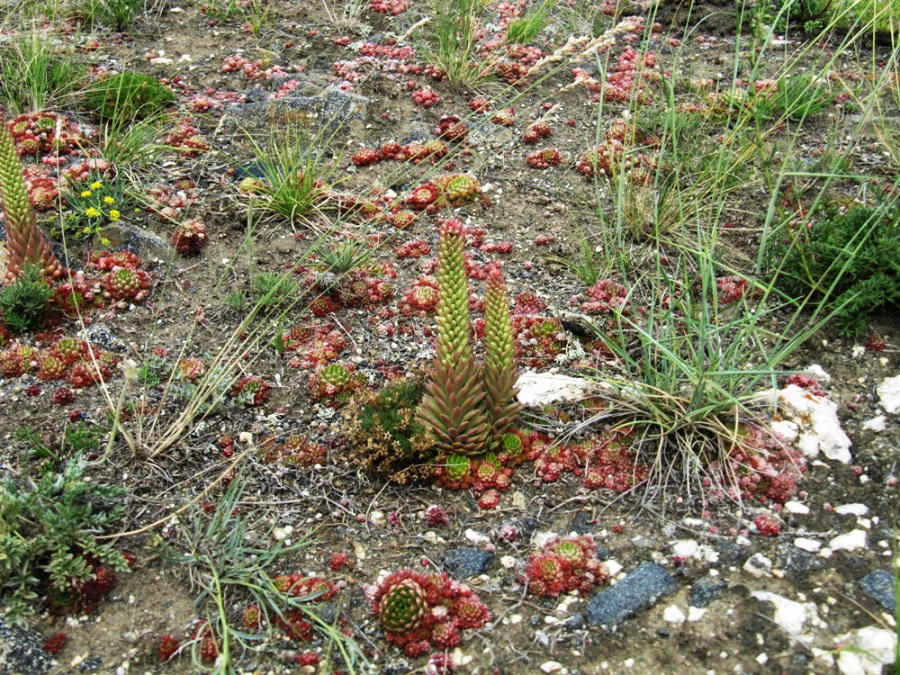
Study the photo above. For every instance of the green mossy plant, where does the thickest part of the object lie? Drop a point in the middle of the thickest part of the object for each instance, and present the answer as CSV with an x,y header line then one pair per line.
x,y
852,259
127,96
24,303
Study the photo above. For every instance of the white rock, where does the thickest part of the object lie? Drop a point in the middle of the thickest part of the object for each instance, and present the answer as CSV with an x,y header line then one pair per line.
x,y
540,539
817,417
377,518
540,389
848,542
508,562
796,507
685,548
889,393
612,568
875,424
162,61
673,614
787,430
758,566
818,372
552,667
790,615
852,509
872,647
476,537
809,545
696,613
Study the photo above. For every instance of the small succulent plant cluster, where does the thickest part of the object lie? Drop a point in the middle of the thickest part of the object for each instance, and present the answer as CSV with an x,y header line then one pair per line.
x,y
69,359
368,286
334,384
294,450
431,151
170,201
616,154
760,467
43,191
44,133
186,140
251,391
313,346
467,408
422,613
453,190
544,158
564,565
190,236
537,131
83,595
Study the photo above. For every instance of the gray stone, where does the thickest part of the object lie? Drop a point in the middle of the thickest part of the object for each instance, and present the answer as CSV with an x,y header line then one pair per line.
x,y
729,552
582,523
20,651
464,563
639,590
137,240
328,111
100,335
706,590
797,561
879,585
486,133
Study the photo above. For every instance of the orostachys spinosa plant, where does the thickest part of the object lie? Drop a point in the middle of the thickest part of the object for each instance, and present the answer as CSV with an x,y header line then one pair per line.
x,y
468,406
24,240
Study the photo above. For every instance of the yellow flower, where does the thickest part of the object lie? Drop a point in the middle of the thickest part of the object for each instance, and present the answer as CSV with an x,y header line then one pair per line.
x,y
86,193
114,214
96,186
109,200
92,213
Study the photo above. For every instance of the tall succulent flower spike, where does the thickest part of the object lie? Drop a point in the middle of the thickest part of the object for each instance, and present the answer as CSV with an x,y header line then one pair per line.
x,y
453,406
499,373
24,240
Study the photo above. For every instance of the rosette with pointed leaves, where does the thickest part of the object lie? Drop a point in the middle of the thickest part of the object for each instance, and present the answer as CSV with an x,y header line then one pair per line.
x,y
453,407
499,372
403,606
24,240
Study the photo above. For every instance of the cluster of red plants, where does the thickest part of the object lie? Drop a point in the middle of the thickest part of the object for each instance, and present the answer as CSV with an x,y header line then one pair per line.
x,y
79,596
425,97
451,128
295,450
432,151
190,236
423,612
186,140
46,133
387,58
43,191
616,153
544,158
253,390
536,132
453,190
334,384
606,461
565,565
252,70
420,300
67,359
170,201
415,248
392,7
760,466
314,346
